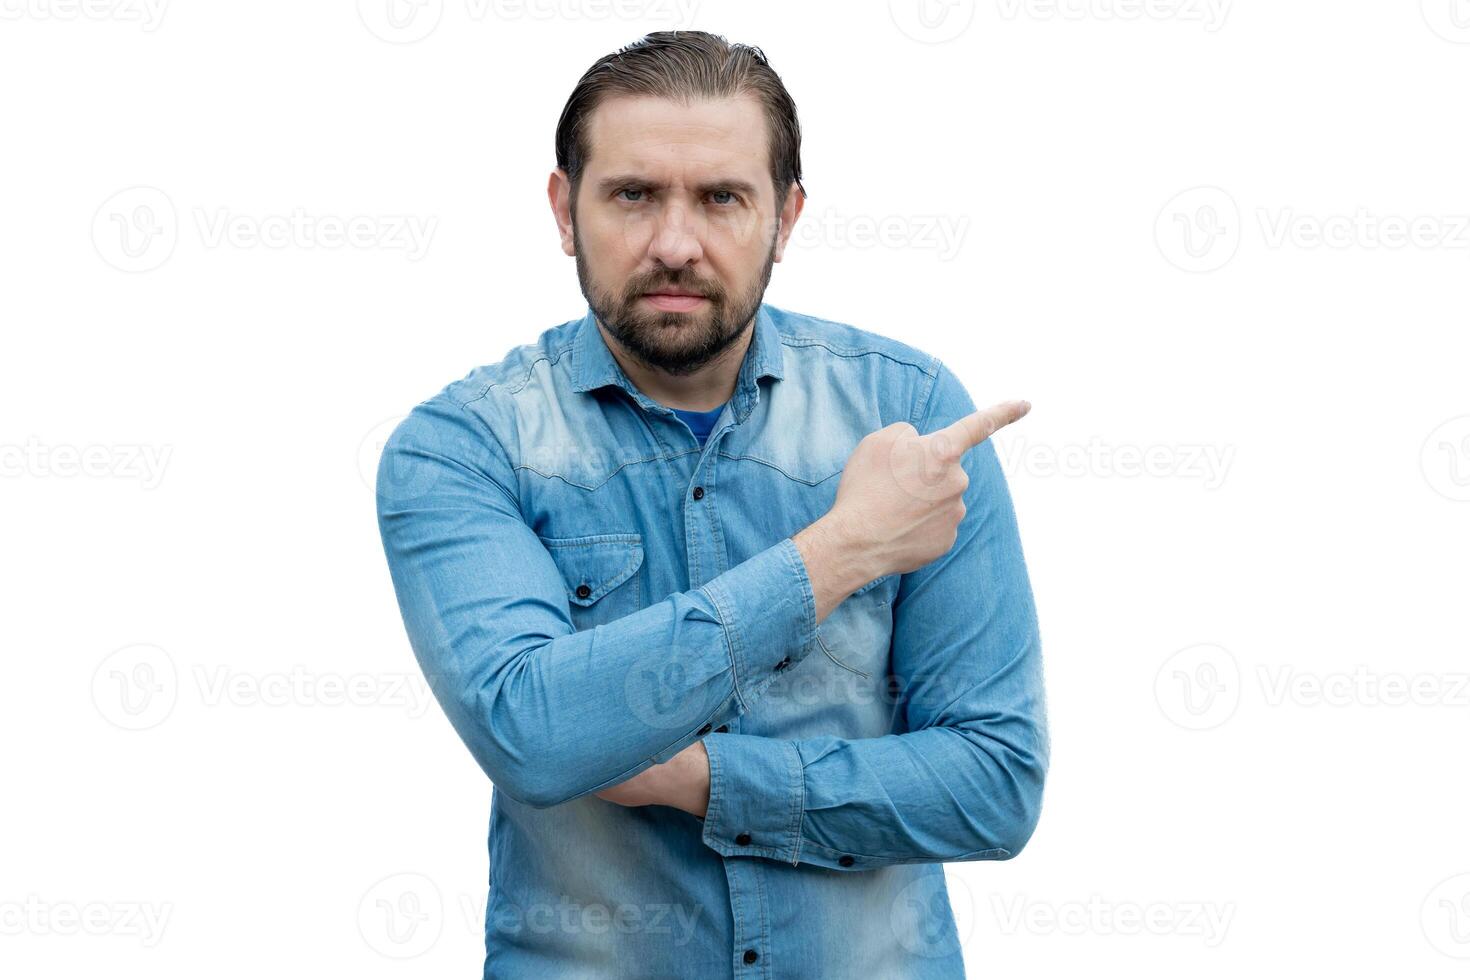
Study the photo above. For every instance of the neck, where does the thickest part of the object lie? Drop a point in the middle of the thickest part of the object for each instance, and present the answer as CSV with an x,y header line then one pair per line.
x,y
708,388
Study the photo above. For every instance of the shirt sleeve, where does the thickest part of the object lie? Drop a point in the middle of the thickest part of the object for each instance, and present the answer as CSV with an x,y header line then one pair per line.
x,y
962,779
548,712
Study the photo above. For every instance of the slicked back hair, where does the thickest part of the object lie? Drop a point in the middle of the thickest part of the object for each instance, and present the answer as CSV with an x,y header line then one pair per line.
x,y
684,66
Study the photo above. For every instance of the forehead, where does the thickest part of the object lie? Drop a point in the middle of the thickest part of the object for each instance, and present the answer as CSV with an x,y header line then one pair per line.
x,y
667,138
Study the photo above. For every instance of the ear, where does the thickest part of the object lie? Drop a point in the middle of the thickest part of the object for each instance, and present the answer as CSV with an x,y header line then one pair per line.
x,y
559,193
786,220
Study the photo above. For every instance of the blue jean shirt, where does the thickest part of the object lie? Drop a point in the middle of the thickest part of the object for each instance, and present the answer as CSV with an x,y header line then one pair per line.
x,y
588,590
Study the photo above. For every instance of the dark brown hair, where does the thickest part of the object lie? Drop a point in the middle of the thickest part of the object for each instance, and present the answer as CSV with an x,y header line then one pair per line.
x,y
684,65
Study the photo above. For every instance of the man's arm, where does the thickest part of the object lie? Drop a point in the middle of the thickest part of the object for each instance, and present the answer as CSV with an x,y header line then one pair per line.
x,y
964,781
550,713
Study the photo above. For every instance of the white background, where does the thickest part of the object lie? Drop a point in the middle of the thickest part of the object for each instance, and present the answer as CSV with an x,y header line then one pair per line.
x,y
1222,247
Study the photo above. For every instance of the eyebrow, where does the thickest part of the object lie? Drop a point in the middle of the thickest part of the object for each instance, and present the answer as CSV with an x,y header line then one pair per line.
x,y
619,181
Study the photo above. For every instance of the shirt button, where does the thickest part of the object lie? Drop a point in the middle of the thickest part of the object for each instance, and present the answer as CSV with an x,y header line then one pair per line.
x,y
699,493
742,838
723,728
751,956
703,731
583,591
845,860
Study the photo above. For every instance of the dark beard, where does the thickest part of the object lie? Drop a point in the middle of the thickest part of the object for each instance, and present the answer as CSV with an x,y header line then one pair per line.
x,y
677,343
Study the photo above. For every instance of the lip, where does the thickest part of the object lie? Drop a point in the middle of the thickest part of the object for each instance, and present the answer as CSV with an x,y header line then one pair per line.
x,y
675,302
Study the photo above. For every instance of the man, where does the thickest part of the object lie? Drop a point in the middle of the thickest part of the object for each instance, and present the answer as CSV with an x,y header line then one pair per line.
x,y
743,653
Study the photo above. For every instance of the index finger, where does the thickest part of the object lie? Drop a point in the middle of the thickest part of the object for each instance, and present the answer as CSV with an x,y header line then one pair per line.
x,y
962,435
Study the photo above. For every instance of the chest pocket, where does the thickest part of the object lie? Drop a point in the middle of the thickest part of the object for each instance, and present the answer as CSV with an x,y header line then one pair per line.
x,y
601,575
857,633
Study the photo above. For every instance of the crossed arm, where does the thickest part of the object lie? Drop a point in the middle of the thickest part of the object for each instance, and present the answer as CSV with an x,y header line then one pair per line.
x,y
485,612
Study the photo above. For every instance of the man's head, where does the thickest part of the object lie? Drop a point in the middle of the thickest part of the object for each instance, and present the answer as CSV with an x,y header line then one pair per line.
x,y
676,161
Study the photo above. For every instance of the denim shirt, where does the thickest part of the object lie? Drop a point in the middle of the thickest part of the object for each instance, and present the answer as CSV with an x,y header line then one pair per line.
x,y
589,590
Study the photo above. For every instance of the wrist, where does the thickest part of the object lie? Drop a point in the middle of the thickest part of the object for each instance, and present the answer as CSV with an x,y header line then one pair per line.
x,y
691,783
839,560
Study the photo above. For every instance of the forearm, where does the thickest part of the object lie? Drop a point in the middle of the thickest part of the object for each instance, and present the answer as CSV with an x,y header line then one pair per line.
x,y
553,716
940,794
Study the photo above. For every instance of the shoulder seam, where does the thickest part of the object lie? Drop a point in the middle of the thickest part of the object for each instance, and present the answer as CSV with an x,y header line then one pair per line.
x,y
921,405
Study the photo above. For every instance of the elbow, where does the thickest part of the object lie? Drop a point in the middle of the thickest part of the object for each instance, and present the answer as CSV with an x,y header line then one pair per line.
x,y
1029,779
516,762
530,784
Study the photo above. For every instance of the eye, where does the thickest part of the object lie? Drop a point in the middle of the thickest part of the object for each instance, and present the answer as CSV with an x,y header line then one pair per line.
x,y
733,198
631,190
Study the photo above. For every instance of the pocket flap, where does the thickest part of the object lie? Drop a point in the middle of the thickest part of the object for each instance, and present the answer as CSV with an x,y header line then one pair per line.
x,y
595,564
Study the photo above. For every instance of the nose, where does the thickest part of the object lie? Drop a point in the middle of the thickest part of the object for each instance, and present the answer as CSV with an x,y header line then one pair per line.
x,y
677,236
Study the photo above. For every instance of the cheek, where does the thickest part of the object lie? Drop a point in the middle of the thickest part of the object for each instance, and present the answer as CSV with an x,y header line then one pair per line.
x,y
617,238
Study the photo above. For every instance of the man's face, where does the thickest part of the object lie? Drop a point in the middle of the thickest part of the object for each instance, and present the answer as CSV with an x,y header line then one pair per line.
x,y
676,199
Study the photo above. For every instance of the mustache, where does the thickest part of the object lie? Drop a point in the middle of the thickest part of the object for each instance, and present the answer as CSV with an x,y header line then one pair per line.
x,y
706,291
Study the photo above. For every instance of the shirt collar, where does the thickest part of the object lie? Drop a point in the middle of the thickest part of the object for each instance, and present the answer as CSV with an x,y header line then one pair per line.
x,y
593,364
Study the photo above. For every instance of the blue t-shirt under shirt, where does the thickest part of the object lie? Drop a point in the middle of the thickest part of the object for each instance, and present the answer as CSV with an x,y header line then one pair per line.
x,y
702,423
